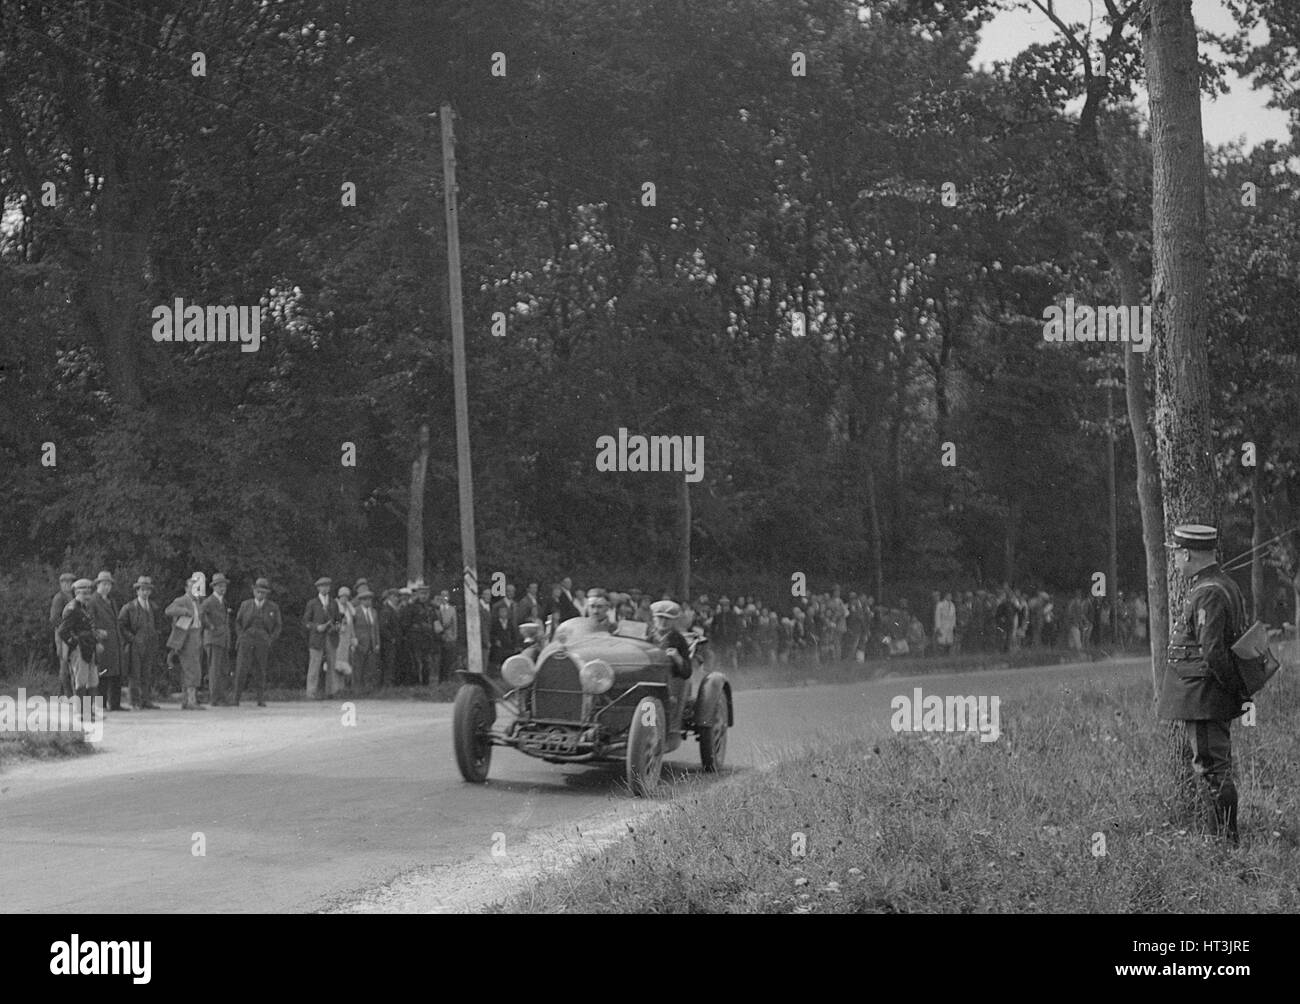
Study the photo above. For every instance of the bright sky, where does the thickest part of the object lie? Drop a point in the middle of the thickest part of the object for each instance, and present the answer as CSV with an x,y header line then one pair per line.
x,y
1238,113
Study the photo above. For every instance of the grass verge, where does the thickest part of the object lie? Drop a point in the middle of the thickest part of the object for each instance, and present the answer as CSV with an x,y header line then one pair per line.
x,y
1065,813
17,746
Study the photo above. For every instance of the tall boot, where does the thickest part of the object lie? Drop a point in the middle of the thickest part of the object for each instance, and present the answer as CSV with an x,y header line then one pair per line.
x,y
1225,807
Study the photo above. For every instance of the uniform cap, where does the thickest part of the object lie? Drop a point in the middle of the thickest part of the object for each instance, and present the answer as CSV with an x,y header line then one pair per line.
x,y
1195,537
83,584
665,608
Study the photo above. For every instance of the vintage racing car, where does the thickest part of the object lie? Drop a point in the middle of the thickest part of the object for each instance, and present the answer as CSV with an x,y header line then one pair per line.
x,y
591,696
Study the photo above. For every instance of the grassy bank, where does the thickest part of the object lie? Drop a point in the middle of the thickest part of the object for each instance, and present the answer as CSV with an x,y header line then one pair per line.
x,y
754,676
41,746
945,823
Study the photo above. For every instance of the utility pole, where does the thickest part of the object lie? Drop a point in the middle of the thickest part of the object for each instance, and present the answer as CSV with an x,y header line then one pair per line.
x,y
464,478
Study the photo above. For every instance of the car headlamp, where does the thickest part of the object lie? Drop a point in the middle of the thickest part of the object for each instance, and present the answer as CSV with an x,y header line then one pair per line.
x,y
518,671
596,677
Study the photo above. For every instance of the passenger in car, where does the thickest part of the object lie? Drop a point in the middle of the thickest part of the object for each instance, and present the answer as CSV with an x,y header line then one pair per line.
x,y
664,633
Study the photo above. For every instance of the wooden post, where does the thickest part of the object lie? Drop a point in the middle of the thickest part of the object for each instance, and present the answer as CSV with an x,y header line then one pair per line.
x,y
464,478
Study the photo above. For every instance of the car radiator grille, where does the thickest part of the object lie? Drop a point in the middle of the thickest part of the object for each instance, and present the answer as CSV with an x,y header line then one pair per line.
x,y
557,693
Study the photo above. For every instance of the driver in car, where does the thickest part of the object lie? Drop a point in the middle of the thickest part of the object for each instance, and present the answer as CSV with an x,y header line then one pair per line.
x,y
598,618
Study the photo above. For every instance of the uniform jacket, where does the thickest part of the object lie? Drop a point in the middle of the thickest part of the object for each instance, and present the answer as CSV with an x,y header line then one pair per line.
x,y
418,624
316,614
1201,681
215,618
77,629
257,624
104,616
367,632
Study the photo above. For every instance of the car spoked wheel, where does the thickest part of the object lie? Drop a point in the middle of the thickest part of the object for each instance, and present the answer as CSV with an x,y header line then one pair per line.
x,y
471,722
645,747
713,738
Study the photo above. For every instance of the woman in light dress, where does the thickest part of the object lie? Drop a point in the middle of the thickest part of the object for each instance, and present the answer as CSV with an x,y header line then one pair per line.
x,y
341,671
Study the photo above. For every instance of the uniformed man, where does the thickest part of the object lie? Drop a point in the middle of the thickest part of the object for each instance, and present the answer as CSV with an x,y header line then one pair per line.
x,y
1202,691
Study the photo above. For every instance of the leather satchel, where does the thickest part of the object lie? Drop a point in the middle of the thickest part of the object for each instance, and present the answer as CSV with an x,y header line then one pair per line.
x,y
1255,661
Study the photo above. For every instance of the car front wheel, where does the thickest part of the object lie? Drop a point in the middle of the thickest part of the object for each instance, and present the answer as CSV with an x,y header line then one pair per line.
x,y
645,747
471,720
713,738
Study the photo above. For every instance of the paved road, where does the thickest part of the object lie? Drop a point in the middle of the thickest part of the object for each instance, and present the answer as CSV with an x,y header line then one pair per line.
x,y
298,812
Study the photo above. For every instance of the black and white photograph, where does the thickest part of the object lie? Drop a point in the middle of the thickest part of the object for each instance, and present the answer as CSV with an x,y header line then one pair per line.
x,y
649,457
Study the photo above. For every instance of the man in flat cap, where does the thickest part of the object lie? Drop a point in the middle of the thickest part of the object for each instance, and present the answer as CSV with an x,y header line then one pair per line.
x,y
320,618
138,624
57,605
257,625
1202,691
215,617
663,632
103,611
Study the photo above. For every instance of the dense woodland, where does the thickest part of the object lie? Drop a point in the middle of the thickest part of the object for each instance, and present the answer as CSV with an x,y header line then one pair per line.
x,y
775,193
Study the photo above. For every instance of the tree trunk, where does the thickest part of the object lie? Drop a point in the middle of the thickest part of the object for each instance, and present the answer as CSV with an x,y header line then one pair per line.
x,y
1178,288
684,541
1009,543
415,512
1182,407
873,528
1150,500
1257,539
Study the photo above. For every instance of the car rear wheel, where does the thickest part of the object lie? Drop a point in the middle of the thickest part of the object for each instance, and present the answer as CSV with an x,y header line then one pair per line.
x,y
471,720
713,738
645,747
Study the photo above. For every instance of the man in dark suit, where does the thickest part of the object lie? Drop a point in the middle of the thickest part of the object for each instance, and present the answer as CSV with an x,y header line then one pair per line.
x,y
320,621
257,625
57,605
366,627
215,618
137,622
109,662
390,638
